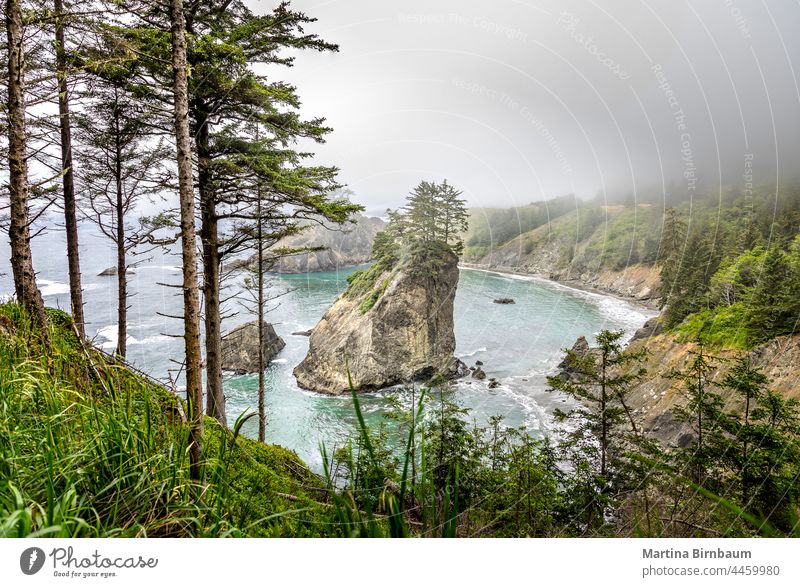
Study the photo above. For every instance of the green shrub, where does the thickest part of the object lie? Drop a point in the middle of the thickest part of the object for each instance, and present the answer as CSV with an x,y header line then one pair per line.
x,y
723,327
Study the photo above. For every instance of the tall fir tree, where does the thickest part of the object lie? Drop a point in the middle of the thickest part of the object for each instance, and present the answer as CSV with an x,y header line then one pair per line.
x,y
191,297
226,99
121,161
605,427
67,168
25,285
774,306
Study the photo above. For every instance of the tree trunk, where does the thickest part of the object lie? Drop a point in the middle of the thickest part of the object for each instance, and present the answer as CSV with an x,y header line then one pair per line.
x,y
191,297
215,399
27,292
70,216
603,419
122,264
262,414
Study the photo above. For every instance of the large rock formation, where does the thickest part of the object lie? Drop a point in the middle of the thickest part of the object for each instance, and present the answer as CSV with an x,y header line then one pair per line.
x,y
345,246
392,325
240,347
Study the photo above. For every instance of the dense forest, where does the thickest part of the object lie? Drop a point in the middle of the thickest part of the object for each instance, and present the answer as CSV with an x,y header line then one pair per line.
x,y
109,103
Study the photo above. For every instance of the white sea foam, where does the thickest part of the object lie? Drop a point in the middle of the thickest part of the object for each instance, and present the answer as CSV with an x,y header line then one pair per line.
x,y
109,337
473,353
52,288
171,268
148,339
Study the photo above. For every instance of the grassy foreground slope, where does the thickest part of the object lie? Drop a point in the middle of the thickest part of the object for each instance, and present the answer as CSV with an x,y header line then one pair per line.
x,y
89,448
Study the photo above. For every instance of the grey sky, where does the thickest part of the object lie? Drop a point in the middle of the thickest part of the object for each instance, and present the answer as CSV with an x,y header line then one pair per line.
x,y
515,101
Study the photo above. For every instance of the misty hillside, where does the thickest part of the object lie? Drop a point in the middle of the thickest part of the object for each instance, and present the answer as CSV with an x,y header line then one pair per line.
x,y
710,258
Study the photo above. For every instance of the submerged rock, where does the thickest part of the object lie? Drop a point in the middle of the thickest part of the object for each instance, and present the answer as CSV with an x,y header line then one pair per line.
x,y
393,325
240,347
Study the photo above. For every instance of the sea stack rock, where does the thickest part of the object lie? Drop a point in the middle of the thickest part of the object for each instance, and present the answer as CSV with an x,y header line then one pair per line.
x,y
394,324
240,347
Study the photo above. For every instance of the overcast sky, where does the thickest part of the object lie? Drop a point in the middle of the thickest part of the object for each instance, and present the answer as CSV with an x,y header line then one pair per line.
x,y
514,101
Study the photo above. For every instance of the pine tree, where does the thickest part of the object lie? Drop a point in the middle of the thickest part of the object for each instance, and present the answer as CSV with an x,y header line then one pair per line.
x,y
605,426
747,382
454,216
764,450
703,410
433,213
269,226
671,249
227,101
68,170
120,160
691,280
774,307
228,41
422,213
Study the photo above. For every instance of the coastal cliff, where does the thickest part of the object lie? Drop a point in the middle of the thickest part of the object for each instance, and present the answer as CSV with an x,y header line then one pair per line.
x,y
345,246
655,398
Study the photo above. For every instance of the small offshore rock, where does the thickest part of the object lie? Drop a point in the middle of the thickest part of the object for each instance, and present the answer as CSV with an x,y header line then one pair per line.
x,y
457,369
479,363
493,383
240,347
113,271
580,349
302,333
504,301
478,373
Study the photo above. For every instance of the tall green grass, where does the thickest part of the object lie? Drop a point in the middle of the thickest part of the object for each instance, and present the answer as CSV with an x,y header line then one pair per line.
x,y
89,448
